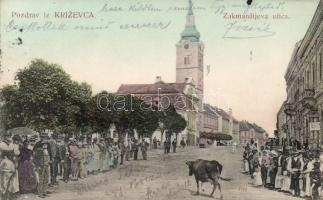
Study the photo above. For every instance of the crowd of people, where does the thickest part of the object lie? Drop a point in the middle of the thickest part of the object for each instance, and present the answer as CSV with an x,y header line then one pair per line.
x,y
32,164
292,169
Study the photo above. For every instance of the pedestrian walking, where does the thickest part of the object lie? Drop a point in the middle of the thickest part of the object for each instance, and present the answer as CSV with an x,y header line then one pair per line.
x,y
144,148
174,144
127,149
122,148
115,153
155,142
135,149
182,143
167,145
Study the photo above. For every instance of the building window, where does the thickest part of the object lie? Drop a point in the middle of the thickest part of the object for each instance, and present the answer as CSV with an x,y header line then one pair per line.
x,y
314,74
186,60
307,79
321,65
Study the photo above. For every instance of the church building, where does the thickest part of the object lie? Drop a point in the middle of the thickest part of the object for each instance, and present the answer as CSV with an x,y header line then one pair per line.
x,y
189,82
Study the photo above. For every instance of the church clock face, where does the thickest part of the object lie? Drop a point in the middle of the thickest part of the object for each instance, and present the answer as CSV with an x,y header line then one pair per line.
x,y
186,46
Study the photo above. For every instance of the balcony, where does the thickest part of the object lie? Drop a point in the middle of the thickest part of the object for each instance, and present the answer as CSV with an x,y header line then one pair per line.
x,y
289,109
308,100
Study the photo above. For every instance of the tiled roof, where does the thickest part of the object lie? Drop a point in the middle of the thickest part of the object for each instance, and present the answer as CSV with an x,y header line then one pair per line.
x,y
246,126
210,110
175,92
225,115
151,88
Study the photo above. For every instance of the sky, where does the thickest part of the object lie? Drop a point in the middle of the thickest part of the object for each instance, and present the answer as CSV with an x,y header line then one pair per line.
x,y
111,42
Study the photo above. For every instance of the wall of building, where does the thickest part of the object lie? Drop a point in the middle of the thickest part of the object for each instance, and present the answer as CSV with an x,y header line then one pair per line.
x,y
304,80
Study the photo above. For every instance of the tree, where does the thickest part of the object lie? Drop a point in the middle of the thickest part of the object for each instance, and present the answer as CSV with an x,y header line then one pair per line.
x,y
173,122
146,122
98,114
43,90
11,107
45,97
131,114
215,136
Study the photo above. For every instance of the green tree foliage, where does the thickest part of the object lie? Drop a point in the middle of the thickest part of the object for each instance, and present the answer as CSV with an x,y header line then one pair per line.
x,y
11,115
98,112
45,98
131,113
215,136
173,122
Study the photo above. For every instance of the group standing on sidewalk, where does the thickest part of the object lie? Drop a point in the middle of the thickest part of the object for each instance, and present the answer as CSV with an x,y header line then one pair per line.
x,y
31,164
293,169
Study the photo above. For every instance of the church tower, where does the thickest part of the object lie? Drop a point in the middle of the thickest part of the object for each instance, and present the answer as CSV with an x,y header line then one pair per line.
x,y
189,58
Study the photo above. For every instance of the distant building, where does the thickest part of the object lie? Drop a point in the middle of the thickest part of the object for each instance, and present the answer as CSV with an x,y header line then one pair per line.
x,y
251,131
216,120
211,119
281,125
229,125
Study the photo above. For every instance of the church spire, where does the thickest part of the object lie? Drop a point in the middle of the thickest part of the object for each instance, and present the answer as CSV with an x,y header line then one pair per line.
x,y
190,8
190,32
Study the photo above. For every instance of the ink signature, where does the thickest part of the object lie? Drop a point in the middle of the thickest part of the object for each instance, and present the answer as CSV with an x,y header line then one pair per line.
x,y
236,30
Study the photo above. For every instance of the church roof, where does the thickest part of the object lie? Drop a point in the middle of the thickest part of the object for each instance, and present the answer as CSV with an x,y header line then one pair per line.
x,y
190,32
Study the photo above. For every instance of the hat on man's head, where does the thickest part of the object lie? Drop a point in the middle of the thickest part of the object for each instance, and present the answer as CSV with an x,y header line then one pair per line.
x,y
45,141
33,138
43,135
7,134
54,135
17,138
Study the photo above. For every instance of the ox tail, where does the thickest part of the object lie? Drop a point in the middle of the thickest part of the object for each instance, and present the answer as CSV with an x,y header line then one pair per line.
x,y
225,179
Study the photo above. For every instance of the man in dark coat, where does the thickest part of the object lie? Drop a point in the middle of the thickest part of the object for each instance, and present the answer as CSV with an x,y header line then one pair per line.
x,y
135,149
42,163
144,148
55,159
296,164
174,144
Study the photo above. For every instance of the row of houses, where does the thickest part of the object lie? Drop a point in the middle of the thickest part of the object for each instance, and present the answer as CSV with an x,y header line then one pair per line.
x,y
217,120
301,114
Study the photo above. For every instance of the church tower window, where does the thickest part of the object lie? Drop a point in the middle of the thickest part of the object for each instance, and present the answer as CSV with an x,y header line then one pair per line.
x,y
186,60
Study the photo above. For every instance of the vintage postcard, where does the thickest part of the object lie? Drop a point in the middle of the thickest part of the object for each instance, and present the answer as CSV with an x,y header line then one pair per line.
x,y
161,99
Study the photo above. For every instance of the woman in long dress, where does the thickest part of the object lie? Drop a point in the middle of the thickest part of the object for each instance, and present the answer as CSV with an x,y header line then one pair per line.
x,y
74,150
26,173
110,155
257,180
286,176
97,153
279,174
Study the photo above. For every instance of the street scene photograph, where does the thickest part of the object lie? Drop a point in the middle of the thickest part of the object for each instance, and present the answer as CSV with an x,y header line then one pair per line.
x,y
161,99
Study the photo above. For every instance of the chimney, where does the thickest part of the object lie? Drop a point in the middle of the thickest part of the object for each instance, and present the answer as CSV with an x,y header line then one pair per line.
x,y
230,112
158,79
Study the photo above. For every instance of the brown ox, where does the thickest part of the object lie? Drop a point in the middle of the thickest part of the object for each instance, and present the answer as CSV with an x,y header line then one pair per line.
x,y
206,171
